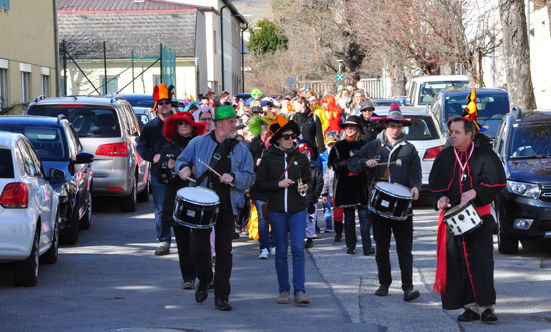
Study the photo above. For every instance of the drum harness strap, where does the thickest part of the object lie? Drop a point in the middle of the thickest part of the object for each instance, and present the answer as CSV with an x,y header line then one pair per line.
x,y
222,147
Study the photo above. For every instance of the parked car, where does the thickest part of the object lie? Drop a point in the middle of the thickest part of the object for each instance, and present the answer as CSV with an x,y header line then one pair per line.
x,y
424,135
108,128
386,102
492,105
144,115
29,215
58,146
523,208
422,90
136,100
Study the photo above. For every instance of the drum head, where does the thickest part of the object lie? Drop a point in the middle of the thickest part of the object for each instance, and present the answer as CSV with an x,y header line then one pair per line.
x,y
454,210
396,189
199,195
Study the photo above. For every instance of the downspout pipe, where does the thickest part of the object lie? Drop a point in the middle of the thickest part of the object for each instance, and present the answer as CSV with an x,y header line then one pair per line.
x,y
222,40
242,58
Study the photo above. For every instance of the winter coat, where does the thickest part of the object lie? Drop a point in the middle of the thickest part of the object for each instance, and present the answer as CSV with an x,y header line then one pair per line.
x,y
317,184
257,149
408,174
329,183
350,185
201,149
371,129
269,171
152,142
311,129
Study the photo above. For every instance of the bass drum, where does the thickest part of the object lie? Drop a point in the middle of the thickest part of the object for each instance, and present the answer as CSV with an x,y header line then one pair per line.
x,y
196,207
391,200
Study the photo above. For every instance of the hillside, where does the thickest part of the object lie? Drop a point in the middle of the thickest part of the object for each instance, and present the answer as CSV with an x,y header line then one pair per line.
x,y
259,9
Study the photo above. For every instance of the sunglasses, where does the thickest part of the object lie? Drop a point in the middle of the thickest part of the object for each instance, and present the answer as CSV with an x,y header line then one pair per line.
x,y
181,123
164,103
205,119
287,136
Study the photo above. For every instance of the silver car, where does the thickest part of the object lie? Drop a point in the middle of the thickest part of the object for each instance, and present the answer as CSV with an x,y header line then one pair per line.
x,y
108,128
425,135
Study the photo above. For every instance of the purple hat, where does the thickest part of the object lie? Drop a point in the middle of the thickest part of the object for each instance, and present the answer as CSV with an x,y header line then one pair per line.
x,y
395,114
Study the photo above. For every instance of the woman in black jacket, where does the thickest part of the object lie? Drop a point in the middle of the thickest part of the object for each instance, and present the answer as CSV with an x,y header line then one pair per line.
x,y
350,187
309,124
179,128
281,170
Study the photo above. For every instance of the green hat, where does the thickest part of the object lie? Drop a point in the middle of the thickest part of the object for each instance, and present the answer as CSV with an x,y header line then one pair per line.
x,y
224,112
255,124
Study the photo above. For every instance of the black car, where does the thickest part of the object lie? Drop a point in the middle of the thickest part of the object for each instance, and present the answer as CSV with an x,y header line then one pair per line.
x,y
523,208
492,105
57,144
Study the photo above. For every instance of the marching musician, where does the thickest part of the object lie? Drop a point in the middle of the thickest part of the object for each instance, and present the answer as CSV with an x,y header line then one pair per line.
x,y
222,153
461,174
390,146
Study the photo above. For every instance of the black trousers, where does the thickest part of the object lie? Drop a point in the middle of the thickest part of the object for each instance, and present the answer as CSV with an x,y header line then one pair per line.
x,y
201,254
183,240
403,235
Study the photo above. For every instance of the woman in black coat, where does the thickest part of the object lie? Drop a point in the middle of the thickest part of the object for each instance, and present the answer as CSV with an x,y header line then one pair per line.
x,y
179,128
309,125
350,187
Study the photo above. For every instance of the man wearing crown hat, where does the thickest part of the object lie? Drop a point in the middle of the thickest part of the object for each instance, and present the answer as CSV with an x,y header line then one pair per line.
x,y
462,174
221,151
388,147
151,144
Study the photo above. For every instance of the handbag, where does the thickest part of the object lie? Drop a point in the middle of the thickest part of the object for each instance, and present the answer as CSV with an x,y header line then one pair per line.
x,y
265,205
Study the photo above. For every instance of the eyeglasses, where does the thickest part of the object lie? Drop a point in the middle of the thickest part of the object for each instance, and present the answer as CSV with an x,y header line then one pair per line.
x,y
182,123
287,136
205,119
164,103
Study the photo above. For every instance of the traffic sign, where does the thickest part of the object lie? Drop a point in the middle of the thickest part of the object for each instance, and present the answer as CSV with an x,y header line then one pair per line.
x,y
290,81
360,85
340,77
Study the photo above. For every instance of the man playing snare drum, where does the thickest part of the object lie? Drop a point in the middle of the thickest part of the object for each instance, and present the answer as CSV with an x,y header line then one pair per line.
x,y
463,174
389,146
234,163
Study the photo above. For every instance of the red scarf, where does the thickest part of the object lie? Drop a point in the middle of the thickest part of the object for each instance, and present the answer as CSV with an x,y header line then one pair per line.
x,y
440,279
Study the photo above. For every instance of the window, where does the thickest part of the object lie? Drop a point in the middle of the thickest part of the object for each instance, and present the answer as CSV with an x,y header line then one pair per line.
x,y
25,86
62,86
112,84
45,85
214,42
5,5
156,81
6,164
3,87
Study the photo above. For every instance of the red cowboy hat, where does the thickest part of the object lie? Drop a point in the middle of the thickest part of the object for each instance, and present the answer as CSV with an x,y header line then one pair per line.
x,y
169,128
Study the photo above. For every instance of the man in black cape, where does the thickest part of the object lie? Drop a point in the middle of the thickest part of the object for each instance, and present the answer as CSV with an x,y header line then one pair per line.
x,y
462,174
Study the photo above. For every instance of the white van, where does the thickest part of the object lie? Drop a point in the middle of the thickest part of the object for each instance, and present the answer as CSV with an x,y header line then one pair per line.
x,y
422,90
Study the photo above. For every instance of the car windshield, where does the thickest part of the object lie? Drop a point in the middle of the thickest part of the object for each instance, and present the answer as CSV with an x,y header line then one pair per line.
x,y
47,141
89,121
428,90
422,130
489,106
140,101
6,164
530,141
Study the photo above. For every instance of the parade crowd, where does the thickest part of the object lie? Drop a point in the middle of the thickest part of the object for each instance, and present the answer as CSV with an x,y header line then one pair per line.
x,y
268,163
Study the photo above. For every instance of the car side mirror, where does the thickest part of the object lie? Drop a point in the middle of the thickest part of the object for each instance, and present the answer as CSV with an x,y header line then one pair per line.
x,y
407,101
56,174
84,158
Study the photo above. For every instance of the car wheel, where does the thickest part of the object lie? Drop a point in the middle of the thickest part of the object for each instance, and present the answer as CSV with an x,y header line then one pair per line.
x,y
128,203
25,273
144,195
506,245
50,256
86,220
71,236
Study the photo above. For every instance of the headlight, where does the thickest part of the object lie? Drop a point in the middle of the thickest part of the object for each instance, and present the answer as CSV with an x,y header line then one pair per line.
x,y
524,189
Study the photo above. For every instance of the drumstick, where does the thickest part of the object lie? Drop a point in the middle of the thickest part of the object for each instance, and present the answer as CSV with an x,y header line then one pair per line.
x,y
398,163
215,172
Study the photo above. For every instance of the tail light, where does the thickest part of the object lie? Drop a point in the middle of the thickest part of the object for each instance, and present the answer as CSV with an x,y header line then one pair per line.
x,y
15,196
431,154
113,150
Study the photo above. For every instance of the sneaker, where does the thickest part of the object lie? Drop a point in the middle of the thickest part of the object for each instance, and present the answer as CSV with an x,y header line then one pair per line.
x,y
338,238
317,236
162,250
309,243
369,251
410,294
188,284
328,231
263,254
214,261
301,298
273,251
283,298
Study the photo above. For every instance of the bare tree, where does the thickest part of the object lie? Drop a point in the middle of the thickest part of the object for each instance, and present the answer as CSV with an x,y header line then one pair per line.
x,y
517,54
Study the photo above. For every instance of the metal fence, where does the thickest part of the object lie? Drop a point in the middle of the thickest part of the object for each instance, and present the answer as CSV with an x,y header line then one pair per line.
x,y
373,87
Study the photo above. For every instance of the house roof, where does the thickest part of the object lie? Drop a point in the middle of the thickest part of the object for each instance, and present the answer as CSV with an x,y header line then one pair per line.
x,y
121,5
123,32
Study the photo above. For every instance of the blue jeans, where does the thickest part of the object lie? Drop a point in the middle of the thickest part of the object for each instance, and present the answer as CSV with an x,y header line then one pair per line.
x,y
328,215
282,223
263,227
350,227
164,234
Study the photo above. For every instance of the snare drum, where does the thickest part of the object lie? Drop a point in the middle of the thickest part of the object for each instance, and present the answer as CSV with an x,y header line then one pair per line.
x,y
391,200
196,207
462,220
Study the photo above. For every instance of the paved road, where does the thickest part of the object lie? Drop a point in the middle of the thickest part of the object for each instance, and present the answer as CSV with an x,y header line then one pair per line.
x,y
112,281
